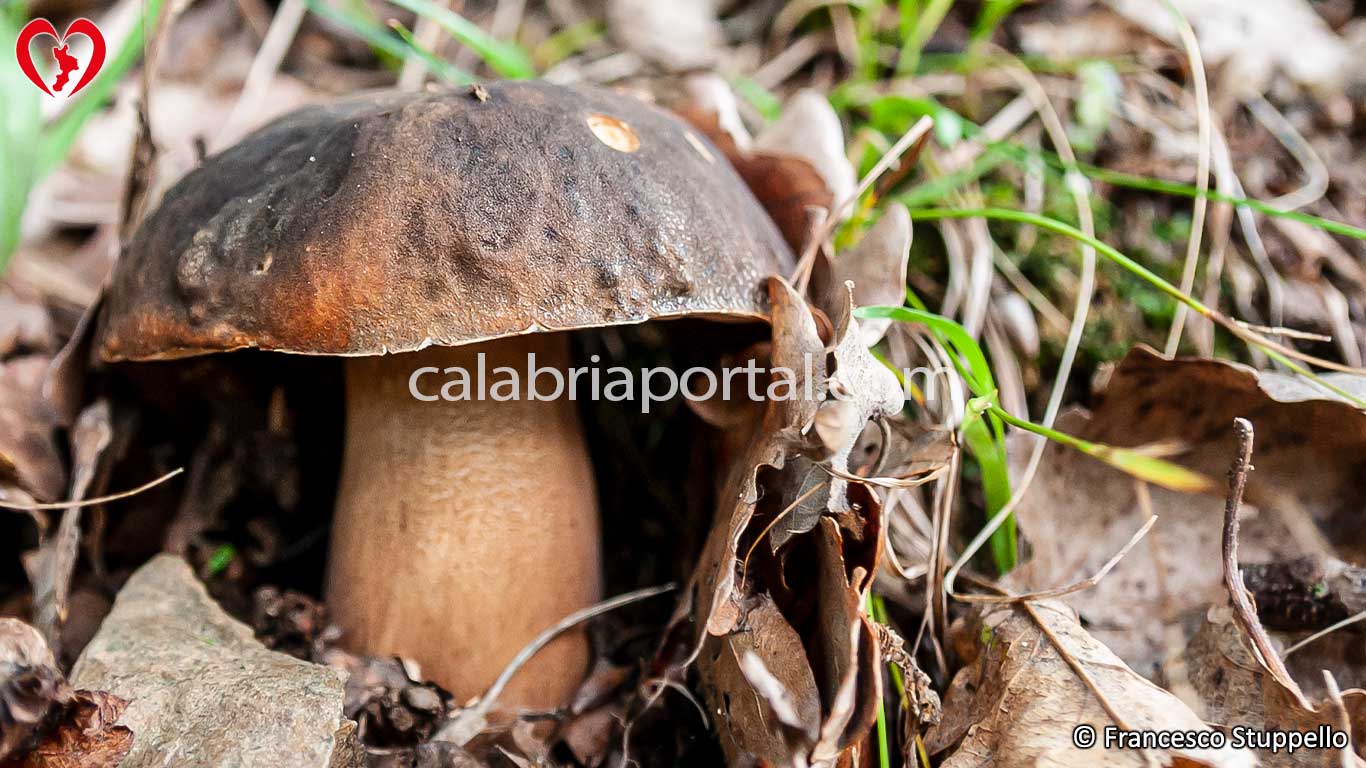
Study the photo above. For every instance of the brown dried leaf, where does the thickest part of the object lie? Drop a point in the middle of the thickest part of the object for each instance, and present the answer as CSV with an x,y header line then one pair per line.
x,y
795,341
788,697
810,129
1304,493
877,268
87,737
766,657
1235,689
1018,700
31,687
862,388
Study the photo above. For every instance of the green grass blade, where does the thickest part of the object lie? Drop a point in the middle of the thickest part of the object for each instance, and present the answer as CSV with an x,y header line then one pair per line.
x,y
567,42
1131,462
507,59
983,435
363,26
20,126
435,64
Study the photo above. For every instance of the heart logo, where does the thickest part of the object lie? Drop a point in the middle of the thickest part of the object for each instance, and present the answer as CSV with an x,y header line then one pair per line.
x,y
66,63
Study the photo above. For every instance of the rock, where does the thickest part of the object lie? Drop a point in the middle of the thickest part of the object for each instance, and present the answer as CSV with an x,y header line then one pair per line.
x,y
203,691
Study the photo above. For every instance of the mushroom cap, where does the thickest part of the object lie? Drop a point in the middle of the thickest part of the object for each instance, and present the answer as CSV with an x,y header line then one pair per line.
x,y
395,221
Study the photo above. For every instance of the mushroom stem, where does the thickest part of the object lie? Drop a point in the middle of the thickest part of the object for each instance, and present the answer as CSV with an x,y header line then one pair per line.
x,y
465,528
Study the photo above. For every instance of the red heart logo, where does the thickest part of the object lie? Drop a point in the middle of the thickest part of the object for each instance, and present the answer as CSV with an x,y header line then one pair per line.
x,y
66,63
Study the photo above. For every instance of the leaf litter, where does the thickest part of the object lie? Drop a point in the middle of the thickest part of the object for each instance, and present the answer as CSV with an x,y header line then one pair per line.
x,y
772,630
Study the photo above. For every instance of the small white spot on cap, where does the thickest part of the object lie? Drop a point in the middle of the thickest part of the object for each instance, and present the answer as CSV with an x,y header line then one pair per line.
x,y
614,133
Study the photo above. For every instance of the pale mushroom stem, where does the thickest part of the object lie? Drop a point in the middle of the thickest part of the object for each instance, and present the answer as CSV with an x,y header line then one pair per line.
x,y
465,528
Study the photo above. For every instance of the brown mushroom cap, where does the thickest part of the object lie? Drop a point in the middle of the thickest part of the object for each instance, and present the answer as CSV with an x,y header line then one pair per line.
x,y
394,221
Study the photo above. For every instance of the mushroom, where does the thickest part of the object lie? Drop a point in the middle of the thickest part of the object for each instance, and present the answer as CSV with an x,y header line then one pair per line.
x,y
407,231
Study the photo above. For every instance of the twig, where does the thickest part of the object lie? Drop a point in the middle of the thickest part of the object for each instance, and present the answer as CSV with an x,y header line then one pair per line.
x,y
1243,609
1073,587
1350,620
470,721
95,501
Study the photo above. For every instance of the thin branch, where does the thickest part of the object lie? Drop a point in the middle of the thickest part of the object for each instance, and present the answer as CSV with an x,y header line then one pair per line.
x,y
1071,588
1347,622
1243,609
470,721
95,501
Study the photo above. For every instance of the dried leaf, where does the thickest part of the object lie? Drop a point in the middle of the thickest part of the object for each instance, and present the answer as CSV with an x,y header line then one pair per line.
x,y
32,689
1235,689
795,341
767,658
1078,512
877,268
1018,700
810,129
87,737
50,568
789,698
862,388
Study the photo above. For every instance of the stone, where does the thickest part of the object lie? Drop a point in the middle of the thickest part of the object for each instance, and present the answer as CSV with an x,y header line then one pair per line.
x,y
203,691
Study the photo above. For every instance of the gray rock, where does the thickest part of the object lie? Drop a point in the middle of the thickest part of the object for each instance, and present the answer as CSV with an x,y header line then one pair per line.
x,y
203,691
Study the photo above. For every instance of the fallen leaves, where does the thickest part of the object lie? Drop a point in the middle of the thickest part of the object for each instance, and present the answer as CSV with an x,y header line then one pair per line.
x,y
43,723
31,686
787,660
88,735
1078,512
1230,686
1034,675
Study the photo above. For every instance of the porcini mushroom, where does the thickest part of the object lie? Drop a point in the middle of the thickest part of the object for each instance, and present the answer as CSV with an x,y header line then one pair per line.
x,y
413,230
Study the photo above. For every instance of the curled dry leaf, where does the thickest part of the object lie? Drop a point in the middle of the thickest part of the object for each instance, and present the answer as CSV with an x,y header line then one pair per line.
x,y
32,689
861,388
1231,687
1078,512
792,679
1019,699
810,129
794,341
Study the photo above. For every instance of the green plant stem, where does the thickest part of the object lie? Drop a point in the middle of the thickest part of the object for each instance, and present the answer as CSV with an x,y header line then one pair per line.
x,y
1053,225
506,59
873,605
